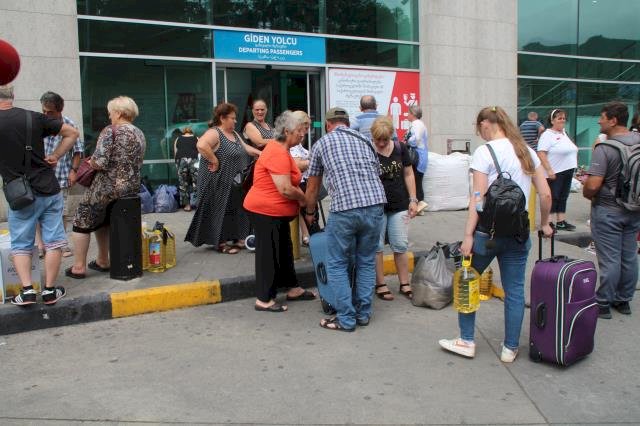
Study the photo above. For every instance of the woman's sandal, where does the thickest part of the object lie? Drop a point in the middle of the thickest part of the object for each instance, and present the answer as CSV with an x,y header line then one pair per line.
x,y
276,307
334,324
223,248
384,295
406,293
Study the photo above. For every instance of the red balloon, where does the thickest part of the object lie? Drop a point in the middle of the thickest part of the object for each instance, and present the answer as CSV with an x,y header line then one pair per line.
x,y
9,62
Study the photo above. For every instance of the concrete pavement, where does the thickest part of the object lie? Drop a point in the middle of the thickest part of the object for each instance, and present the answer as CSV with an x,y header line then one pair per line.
x,y
204,276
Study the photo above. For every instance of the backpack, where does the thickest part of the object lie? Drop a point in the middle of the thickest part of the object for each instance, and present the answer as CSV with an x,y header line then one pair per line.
x,y
628,185
504,213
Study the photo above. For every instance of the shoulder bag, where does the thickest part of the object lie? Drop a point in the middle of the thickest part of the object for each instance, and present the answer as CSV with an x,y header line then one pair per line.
x,y
18,191
86,173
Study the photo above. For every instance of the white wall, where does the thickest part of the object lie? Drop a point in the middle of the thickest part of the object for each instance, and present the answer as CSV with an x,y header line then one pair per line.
x,y
468,59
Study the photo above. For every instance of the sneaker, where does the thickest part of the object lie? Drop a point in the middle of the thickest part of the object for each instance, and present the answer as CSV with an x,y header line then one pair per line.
x,y
459,346
26,297
604,312
565,226
52,295
508,355
591,248
362,322
622,307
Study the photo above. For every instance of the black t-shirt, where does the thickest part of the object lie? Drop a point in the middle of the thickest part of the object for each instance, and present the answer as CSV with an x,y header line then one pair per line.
x,y
186,147
392,177
13,129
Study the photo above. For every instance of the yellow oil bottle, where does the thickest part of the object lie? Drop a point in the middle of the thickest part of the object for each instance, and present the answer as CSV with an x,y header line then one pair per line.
x,y
466,288
486,283
145,247
156,252
169,245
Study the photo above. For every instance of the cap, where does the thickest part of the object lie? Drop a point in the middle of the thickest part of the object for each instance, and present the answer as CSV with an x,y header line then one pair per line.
x,y
337,112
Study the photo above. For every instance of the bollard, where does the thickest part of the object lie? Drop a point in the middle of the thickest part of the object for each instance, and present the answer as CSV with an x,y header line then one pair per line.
x,y
125,249
295,237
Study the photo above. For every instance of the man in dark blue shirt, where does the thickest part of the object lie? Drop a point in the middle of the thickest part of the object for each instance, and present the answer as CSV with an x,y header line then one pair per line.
x,y
531,129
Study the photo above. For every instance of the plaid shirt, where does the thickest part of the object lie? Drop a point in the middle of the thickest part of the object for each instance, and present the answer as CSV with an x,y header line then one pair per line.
x,y
350,167
64,163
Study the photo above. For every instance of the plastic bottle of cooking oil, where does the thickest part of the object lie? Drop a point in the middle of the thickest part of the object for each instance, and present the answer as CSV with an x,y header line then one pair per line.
x,y
466,288
145,247
169,246
156,252
486,283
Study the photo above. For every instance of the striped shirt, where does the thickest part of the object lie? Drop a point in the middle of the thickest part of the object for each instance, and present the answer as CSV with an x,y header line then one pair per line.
x,y
530,132
350,167
65,162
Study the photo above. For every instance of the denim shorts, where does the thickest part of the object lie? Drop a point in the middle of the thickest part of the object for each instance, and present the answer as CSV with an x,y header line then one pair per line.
x,y
46,210
395,225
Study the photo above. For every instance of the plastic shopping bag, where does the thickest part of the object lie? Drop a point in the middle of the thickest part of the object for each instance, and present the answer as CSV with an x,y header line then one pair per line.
x,y
432,280
164,201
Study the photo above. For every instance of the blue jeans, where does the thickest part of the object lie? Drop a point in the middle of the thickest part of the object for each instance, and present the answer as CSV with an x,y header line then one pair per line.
x,y
512,258
46,210
396,226
614,233
353,231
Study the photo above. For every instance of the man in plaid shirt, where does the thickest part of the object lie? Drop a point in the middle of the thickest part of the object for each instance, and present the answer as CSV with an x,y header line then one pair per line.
x,y
351,169
52,106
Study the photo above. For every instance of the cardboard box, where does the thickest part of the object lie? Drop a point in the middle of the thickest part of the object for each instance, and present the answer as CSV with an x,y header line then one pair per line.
x,y
10,284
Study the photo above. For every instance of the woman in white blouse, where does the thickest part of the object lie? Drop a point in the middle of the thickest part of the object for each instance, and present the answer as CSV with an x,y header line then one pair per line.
x,y
559,157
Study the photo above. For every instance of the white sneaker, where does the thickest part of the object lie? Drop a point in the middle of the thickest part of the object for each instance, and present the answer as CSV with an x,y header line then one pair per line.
x,y
421,206
459,346
508,355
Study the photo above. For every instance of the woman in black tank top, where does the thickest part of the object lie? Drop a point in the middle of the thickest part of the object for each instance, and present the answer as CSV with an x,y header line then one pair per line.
x,y
186,157
258,131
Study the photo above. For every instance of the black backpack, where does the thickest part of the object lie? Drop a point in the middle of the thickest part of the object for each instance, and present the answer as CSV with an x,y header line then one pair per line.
x,y
504,213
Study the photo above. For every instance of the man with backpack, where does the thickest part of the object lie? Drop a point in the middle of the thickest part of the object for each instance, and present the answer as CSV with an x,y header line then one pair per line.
x,y
613,188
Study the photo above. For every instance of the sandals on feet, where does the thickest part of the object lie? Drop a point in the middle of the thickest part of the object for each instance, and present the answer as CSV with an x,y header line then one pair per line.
x,y
334,324
69,273
94,265
305,295
276,307
384,295
223,248
406,293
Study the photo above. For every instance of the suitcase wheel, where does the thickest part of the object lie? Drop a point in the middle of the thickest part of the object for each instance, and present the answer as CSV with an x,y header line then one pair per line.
x,y
534,353
250,242
326,307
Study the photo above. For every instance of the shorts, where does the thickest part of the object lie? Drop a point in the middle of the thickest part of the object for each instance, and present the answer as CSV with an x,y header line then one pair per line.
x,y
395,225
46,210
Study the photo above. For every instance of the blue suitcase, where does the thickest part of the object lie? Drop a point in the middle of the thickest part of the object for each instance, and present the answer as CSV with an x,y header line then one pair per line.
x,y
318,250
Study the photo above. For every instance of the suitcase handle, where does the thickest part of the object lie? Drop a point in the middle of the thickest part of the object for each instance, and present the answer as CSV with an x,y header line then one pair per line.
x,y
322,273
541,315
540,234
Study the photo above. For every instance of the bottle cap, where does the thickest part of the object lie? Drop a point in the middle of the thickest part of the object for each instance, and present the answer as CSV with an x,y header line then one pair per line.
x,y
466,262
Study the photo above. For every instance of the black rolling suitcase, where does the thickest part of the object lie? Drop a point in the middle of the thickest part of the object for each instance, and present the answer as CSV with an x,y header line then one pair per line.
x,y
125,247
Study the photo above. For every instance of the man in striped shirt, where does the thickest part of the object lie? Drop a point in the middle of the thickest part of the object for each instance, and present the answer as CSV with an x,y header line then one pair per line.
x,y
531,129
351,170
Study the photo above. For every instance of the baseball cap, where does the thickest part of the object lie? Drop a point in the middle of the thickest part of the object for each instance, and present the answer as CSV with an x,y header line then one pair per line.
x,y
337,112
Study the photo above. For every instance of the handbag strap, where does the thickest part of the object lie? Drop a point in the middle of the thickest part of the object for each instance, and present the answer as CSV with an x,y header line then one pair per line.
x,y
27,148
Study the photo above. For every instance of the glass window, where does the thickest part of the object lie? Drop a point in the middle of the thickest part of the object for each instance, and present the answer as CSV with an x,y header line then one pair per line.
x,y
610,29
283,15
548,26
137,39
592,69
188,11
169,94
356,52
390,19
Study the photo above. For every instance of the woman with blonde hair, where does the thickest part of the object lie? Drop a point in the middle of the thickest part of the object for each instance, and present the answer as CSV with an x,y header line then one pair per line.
x,y
402,204
117,161
516,158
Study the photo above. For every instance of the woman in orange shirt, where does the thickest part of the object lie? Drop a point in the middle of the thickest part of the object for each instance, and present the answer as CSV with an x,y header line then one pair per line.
x,y
272,202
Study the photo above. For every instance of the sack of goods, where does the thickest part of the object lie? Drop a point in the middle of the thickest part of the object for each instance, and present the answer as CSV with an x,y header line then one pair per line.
x,y
446,182
432,278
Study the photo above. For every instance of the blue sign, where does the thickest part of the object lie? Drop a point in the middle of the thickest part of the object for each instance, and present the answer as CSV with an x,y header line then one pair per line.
x,y
269,47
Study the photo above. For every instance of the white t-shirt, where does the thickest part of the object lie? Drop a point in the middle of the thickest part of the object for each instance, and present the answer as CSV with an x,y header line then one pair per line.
x,y
508,161
561,152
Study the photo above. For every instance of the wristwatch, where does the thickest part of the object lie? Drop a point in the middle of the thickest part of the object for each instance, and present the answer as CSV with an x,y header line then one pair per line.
x,y
308,213
413,200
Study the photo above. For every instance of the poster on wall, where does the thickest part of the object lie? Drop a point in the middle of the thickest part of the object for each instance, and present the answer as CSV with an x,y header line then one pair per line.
x,y
395,92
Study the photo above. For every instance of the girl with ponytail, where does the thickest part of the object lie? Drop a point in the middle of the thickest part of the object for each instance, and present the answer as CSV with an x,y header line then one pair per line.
x,y
516,158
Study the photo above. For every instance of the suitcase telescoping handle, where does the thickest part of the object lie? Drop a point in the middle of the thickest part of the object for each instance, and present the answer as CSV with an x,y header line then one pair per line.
x,y
540,234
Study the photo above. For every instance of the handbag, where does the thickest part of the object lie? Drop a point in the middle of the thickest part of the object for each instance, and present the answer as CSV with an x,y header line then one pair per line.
x,y
85,173
244,178
18,191
414,157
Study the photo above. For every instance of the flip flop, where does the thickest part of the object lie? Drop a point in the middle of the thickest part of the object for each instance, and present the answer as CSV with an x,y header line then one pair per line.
x,y
276,307
305,295
94,265
229,250
69,272
334,324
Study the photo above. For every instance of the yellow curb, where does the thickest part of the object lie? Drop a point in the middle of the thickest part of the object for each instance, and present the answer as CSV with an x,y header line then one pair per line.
x,y
164,298
390,266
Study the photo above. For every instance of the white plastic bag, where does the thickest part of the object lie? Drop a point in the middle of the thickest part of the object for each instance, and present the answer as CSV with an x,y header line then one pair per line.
x,y
446,182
